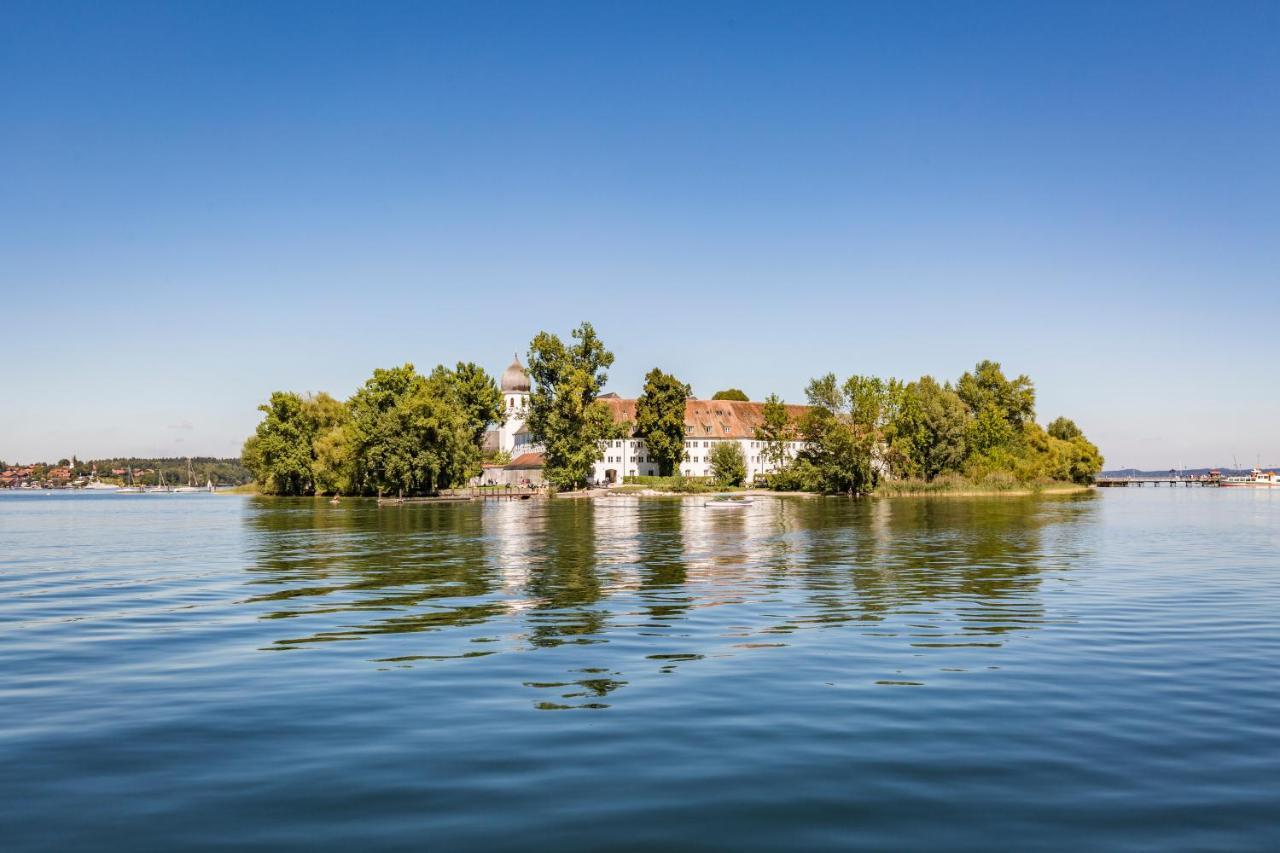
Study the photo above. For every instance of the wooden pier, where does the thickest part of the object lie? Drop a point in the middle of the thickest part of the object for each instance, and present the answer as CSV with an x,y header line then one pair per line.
x,y
471,493
1172,482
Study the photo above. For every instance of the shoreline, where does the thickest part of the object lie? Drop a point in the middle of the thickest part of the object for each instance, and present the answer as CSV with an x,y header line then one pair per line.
x,y
610,494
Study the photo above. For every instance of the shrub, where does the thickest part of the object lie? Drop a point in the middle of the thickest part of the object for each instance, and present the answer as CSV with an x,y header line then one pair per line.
x,y
728,464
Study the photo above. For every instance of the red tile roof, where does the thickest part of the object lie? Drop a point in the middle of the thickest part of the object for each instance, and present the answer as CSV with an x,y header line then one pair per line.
x,y
527,460
709,418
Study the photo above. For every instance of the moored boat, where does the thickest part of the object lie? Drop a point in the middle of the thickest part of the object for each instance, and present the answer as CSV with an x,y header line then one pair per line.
x,y
728,503
1256,479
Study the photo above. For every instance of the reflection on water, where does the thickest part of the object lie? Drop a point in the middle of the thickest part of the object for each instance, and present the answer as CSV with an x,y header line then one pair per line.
x,y
668,582
190,671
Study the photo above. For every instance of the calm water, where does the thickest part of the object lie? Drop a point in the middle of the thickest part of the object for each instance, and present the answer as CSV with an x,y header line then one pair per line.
x,y
1086,672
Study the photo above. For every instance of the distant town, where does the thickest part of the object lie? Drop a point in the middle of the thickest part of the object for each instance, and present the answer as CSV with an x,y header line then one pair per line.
x,y
74,473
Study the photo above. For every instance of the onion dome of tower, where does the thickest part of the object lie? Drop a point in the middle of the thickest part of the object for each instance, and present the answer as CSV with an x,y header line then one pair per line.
x,y
514,377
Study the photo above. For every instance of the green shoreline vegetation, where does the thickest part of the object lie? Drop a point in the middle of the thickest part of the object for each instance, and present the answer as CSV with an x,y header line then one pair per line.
x,y
403,433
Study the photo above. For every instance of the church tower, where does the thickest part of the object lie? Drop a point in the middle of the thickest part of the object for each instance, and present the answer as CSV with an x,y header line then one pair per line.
x,y
515,400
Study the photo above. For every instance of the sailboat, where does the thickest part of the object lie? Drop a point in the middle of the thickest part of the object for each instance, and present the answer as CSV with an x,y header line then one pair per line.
x,y
96,485
160,485
132,488
191,480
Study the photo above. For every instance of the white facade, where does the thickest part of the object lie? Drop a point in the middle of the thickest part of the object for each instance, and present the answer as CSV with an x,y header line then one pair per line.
x,y
515,402
629,457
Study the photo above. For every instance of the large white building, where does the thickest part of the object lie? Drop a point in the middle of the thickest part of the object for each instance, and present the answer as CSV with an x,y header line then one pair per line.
x,y
707,423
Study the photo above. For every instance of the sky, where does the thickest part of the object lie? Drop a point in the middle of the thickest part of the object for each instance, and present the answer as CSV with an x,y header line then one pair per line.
x,y
201,203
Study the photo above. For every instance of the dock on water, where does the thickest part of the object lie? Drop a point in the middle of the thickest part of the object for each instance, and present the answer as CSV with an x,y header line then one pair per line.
x,y
1137,481
472,493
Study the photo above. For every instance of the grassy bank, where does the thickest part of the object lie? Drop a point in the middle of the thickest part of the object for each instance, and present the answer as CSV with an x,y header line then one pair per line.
x,y
669,485
963,487
246,489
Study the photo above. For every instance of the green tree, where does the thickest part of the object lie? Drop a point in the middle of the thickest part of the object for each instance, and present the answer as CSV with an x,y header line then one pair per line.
x,y
660,419
987,388
776,431
409,435
279,453
1064,429
334,466
835,457
565,414
476,392
989,430
839,435
728,463
931,429
731,394
825,392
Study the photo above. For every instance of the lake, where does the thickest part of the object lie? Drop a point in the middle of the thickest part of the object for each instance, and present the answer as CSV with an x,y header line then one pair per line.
x,y
1092,671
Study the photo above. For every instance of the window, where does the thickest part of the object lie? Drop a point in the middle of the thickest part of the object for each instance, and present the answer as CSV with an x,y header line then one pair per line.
x,y
704,444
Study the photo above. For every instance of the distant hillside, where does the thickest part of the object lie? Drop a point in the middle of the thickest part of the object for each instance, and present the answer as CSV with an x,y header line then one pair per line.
x,y
223,472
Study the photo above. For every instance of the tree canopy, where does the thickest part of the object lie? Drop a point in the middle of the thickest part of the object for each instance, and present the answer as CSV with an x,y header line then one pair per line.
x,y
728,463
660,419
731,394
565,414
983,428
776,431
400,433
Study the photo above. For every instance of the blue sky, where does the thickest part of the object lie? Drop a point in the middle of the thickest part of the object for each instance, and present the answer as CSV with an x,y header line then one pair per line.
x,y
204,202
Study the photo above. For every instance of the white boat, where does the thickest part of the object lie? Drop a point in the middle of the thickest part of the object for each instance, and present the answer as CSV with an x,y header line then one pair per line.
x,y
728,503
160,486
191,481
132,488
1256,479
99,486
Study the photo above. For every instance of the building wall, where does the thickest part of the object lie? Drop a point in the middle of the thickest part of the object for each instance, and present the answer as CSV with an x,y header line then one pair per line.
x,y
517,408
497,476
629,457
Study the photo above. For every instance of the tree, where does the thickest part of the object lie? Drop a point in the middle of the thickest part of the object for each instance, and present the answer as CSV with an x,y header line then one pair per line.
x,y
825,391
660,419
279,452
728,463
987,388
776,431
731,394
565,414
334,465
475,392
837,458
1064,429
410,435
931,429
